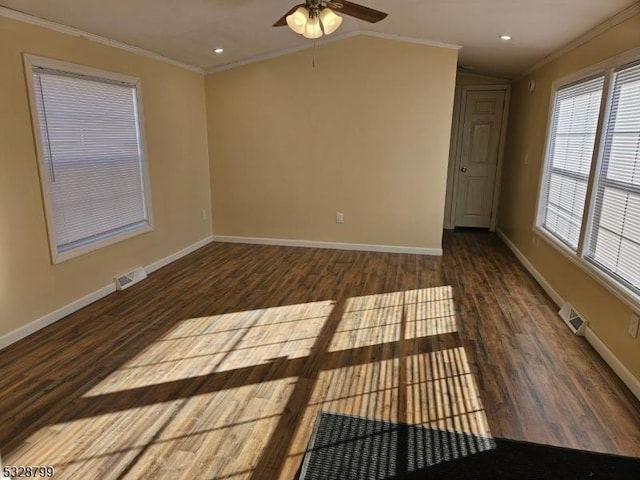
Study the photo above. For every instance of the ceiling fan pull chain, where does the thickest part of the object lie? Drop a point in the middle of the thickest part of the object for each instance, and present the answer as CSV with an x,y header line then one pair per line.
x,y
313,59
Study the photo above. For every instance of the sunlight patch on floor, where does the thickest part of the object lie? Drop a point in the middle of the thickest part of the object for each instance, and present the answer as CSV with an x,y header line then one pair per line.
x,y
162,441
226,420
373,319
221,343
401,380
369,327
442,393
225,381
60,444
147,419
430,311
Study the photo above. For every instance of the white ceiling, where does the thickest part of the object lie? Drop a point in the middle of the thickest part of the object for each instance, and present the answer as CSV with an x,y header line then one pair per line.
x,y
188,30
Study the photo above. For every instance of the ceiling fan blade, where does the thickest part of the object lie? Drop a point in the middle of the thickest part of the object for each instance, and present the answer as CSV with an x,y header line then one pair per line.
x,y
283,21
358,11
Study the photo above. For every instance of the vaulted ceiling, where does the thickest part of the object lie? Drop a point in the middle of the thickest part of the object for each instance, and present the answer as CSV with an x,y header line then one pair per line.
x,y
188,30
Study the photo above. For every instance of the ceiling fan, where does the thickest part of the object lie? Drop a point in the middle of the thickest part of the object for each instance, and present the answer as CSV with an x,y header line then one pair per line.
x,y
315,18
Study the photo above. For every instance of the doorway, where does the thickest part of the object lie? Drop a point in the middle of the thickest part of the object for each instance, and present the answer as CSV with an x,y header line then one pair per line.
x,y
479,144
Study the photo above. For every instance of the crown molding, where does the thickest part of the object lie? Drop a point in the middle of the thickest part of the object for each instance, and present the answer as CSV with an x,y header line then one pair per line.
x,y
599,29
280,53
331,39
419,41
57,27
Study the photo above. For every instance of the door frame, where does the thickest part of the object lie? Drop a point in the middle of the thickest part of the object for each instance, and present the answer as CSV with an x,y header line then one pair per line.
x,y
455,160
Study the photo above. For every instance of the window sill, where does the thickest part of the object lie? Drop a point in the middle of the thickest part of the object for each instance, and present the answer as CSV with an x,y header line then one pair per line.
x,y
629,298
76,252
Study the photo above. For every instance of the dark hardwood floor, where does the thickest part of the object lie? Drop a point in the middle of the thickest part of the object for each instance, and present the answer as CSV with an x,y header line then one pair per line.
x,y
216,365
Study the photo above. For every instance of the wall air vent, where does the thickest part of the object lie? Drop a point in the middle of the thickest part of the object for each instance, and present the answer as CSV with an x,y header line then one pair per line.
x,y
125,280
573,319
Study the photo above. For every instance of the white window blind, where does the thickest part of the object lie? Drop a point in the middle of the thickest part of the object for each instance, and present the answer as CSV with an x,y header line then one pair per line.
x,y
91,157
572,138
615,230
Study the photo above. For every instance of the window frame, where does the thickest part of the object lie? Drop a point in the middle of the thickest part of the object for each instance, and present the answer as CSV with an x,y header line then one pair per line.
x,y
579,257
547,167
602,180
31,61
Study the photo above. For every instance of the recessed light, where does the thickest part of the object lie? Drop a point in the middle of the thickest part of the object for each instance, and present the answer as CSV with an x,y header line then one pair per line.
x,y
505,37
218,50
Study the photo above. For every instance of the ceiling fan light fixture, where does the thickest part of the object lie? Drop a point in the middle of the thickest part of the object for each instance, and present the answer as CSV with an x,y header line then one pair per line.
x,y
312,28
315,18
330,21
298,20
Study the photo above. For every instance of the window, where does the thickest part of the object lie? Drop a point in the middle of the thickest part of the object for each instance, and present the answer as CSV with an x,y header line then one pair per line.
x,y
92,166
572,138
593,163
615,234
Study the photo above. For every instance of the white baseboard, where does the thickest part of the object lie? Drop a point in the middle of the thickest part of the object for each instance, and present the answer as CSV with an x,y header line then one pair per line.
x,y
179,254
19,333
616,365
22,332
331,245
555,296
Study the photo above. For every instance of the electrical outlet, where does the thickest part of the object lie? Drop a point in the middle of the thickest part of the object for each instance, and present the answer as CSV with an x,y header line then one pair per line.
x,y
339,217
203,214
633,325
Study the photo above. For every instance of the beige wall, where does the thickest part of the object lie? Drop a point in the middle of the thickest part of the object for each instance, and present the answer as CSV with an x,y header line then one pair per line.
x,y
175,125
608,316
365,131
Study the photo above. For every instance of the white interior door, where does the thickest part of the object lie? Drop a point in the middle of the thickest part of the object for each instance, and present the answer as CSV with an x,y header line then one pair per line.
x,y
478,161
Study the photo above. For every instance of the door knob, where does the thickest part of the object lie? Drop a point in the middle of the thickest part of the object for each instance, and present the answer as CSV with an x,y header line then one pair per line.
x,y
463,169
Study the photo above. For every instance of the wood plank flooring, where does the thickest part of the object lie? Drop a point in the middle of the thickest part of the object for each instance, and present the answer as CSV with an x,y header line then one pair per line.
x,y
216,366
